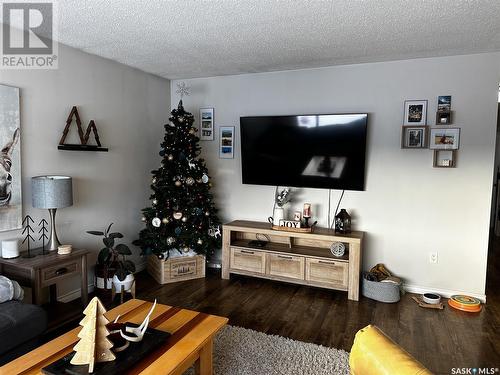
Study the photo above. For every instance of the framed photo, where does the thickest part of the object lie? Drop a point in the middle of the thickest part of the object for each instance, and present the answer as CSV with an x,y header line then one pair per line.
x,y
414,137
415,112
10,159
444,138
206,124
226,142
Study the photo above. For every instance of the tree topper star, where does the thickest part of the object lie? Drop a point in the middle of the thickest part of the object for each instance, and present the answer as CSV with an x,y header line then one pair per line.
x,y
182,89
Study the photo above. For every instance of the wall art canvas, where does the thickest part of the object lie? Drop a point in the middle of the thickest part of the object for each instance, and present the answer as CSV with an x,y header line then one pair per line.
x,y
10,159
415,112
226,142
206,124
444,103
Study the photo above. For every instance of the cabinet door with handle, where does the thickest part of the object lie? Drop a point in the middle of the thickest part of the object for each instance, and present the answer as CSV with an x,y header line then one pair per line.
x,y
334,273
286,266
248,260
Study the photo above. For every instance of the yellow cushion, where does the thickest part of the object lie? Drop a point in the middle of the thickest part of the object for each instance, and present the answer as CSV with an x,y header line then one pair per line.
x,y
373,353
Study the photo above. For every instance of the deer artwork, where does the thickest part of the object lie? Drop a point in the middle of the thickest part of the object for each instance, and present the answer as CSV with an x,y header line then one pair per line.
x,y
5,165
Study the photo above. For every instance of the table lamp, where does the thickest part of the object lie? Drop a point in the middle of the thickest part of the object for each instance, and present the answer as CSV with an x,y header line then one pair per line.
x,y
52,192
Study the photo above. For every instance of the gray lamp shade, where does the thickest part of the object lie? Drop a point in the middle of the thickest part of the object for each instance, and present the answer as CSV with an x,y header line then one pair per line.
x,y
51,191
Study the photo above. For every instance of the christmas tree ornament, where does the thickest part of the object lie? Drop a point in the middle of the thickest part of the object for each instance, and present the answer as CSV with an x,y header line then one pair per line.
x,y
177,215
184,219
200,241
189,181
178,183
155,202
164,220
156,222
198,211
170,240
181,119
143,219
182,90
178,230
204,178
192,131
185,249
170,157
207,213
161,256
153,180
191,164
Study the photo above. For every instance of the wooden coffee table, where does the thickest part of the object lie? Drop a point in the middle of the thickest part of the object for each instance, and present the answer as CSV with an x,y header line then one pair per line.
x,y
191,341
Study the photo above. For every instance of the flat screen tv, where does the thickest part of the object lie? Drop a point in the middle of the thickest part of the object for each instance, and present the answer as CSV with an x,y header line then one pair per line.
x,y
317,151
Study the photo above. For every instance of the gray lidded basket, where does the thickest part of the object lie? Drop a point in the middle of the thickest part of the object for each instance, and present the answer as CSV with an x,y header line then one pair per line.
x,y
383,292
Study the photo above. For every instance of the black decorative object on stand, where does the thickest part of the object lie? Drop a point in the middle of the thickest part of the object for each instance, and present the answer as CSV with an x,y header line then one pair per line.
x,y
43,229
343,222
27,221
182,216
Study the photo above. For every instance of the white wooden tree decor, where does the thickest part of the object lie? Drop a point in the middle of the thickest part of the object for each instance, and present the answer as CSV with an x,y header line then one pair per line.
x,y
93,345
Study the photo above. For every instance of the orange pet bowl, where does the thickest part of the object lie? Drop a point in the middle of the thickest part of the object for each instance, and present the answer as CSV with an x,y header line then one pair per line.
x,y
465,303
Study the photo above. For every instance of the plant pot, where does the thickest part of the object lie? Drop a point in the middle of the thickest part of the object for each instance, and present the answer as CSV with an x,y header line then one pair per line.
x,y
104,276
127,283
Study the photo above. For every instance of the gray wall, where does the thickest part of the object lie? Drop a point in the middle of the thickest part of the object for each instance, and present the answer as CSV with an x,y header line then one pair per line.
x,y
409,208
129,108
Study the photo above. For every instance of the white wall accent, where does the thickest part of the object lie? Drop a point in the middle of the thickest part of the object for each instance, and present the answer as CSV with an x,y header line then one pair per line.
x,y
129,108
408,208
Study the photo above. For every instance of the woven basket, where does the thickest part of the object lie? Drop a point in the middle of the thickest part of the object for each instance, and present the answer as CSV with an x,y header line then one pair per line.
x,y
383,292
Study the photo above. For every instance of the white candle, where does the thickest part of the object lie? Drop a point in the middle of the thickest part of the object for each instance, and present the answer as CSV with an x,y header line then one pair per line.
x,y
10,248
307,210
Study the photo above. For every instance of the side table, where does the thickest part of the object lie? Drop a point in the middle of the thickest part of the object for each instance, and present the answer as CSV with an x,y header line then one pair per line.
x,y
47,270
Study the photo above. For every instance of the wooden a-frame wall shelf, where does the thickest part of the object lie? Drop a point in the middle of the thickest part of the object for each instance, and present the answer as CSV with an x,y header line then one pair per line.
x,y
84,138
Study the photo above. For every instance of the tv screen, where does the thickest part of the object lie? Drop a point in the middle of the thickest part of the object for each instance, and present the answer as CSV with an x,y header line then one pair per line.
x,y
318,151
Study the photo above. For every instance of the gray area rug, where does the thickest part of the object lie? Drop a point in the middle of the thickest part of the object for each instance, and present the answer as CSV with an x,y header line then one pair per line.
x,y
241,351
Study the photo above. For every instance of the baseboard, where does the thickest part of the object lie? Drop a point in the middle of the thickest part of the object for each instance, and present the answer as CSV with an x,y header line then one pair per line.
x,y
442,292
77,293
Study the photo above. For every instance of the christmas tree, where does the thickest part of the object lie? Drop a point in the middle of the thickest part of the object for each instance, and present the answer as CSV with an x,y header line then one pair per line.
x,y
182,216
93,345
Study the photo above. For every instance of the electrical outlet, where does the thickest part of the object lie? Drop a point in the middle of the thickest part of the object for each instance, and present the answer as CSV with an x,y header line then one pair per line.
x,y
433,258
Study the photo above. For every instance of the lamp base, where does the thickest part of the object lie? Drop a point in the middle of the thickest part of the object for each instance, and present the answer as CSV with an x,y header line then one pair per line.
x,y
53,243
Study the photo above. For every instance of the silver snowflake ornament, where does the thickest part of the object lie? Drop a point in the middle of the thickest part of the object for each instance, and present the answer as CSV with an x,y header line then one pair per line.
x,y
182,89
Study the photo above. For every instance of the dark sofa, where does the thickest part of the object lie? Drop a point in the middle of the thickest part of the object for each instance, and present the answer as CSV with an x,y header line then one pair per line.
x,y
21,326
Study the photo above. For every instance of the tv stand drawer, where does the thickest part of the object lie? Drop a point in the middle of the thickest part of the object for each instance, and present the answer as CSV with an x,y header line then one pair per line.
x,y
285,266
248,260
327,272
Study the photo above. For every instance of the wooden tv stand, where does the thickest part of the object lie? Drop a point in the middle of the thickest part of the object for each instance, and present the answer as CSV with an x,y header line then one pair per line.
x,y
300,258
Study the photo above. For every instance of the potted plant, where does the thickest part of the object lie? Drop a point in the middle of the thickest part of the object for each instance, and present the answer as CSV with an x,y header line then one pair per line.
x,y
112,262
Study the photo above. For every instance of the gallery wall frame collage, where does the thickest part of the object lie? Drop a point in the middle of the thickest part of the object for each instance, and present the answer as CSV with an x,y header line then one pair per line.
x,y
443,138
226,133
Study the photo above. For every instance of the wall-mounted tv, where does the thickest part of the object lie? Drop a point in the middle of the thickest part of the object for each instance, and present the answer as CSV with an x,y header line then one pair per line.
x,y
317,151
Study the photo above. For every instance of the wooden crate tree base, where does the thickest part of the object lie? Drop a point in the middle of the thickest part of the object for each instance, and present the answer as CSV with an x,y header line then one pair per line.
x,y
176,269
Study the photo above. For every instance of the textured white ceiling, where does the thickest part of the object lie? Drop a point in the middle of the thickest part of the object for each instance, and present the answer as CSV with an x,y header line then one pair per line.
x,y
200,38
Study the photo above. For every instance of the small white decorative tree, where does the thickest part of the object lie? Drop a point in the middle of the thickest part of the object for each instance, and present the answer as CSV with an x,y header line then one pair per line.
x,y
93,345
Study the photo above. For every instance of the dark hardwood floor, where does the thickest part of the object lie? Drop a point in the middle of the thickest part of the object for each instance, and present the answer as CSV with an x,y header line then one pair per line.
x,y
441,340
